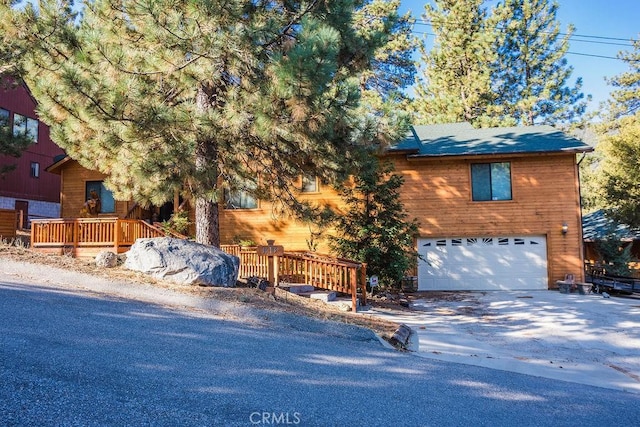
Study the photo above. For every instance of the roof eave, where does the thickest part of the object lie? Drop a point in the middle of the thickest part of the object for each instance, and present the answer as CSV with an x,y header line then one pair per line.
x,y
505,153
55,168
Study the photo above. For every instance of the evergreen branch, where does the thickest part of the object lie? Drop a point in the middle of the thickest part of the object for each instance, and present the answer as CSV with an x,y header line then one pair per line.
x,y
296,19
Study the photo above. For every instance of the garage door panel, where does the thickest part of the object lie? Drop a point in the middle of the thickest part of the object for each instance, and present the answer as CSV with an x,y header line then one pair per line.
x,y
483,263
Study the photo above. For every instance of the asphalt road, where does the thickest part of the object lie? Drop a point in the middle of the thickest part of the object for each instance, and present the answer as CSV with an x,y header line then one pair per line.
x,y
72,357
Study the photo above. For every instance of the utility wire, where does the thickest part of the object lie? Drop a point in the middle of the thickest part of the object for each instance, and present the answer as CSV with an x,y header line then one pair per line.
x,y
596,56
569,52
627,41
605,43
601,40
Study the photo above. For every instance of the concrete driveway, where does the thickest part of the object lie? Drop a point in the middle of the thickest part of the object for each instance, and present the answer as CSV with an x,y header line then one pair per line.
x,y
586,339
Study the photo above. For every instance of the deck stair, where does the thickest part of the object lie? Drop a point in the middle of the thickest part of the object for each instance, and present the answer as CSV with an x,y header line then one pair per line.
x,y
297,288
325,296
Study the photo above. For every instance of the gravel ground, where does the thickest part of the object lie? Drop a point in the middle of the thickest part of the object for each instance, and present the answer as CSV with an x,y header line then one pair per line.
x,y
234,299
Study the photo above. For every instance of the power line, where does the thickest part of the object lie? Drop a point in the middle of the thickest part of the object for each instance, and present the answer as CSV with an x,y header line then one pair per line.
x,y
596,56
627,41
601,40
597,42
569,52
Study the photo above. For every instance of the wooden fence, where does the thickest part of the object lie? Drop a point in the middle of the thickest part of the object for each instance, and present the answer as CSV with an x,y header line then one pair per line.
x,y
9,220
85,237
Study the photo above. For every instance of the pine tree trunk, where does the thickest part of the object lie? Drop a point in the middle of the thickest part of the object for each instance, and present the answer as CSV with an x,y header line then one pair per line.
x,y
207,215
207,222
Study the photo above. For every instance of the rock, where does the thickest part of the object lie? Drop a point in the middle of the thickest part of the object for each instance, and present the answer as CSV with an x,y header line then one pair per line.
x,y
323,296
183,261
106,259
401,336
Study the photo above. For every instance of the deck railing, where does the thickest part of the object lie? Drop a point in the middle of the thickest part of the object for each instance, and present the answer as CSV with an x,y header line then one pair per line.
x,y
322,272
80,236
88,236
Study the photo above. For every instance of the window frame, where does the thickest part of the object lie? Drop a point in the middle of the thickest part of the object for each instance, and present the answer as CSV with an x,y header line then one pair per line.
x,y
5,117
305,182
25,125
35,170
107,201
245,200
493,183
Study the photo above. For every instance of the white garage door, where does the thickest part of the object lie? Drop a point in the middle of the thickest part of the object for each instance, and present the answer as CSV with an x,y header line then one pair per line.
x,y
483,263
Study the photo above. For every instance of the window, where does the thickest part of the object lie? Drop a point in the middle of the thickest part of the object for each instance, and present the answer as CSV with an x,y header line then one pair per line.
x,y
309,184
25,126
4,117
491,181
240,199
98,198
35,169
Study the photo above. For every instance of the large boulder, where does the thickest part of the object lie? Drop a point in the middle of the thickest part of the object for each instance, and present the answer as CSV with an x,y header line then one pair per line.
x,y
183,261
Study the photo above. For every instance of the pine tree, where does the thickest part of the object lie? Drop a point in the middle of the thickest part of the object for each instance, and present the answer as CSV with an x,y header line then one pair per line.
x,y
11,51
614,253
374,227
625,98
456,84
206,96
12,47
619,145
530,76
393,67
382,113
12,144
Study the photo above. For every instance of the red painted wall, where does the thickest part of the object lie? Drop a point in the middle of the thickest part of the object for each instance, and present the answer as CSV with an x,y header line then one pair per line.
x,y
19,183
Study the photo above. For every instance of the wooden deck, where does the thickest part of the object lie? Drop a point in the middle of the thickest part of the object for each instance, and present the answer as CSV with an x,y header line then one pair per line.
x,y
86,237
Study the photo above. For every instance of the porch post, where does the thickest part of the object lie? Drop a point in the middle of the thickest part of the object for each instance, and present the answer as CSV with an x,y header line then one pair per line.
x,y
116,236
354,288
75,236
363,284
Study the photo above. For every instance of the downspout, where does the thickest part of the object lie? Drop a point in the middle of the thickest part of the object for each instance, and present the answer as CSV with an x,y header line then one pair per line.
x,y
582,252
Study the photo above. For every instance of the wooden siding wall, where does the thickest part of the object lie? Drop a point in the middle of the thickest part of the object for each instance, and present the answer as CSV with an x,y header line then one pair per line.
x,y
266,223
437,192
259,225
8,223
73,197
544,196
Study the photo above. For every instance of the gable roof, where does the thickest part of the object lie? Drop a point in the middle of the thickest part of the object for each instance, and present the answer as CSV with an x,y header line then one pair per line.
x,y
597,225
462,139
58,162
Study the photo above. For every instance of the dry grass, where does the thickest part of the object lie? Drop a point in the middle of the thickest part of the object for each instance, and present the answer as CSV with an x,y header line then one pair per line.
x,y
18,250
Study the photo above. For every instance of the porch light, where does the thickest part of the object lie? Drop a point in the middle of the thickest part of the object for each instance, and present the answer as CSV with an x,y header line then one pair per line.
x,y
565,228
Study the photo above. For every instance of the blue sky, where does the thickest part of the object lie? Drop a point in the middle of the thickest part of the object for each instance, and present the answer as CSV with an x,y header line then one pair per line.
x,y
594,18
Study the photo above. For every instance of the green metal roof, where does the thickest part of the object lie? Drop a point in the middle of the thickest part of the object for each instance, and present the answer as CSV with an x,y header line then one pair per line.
x,y
461,139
